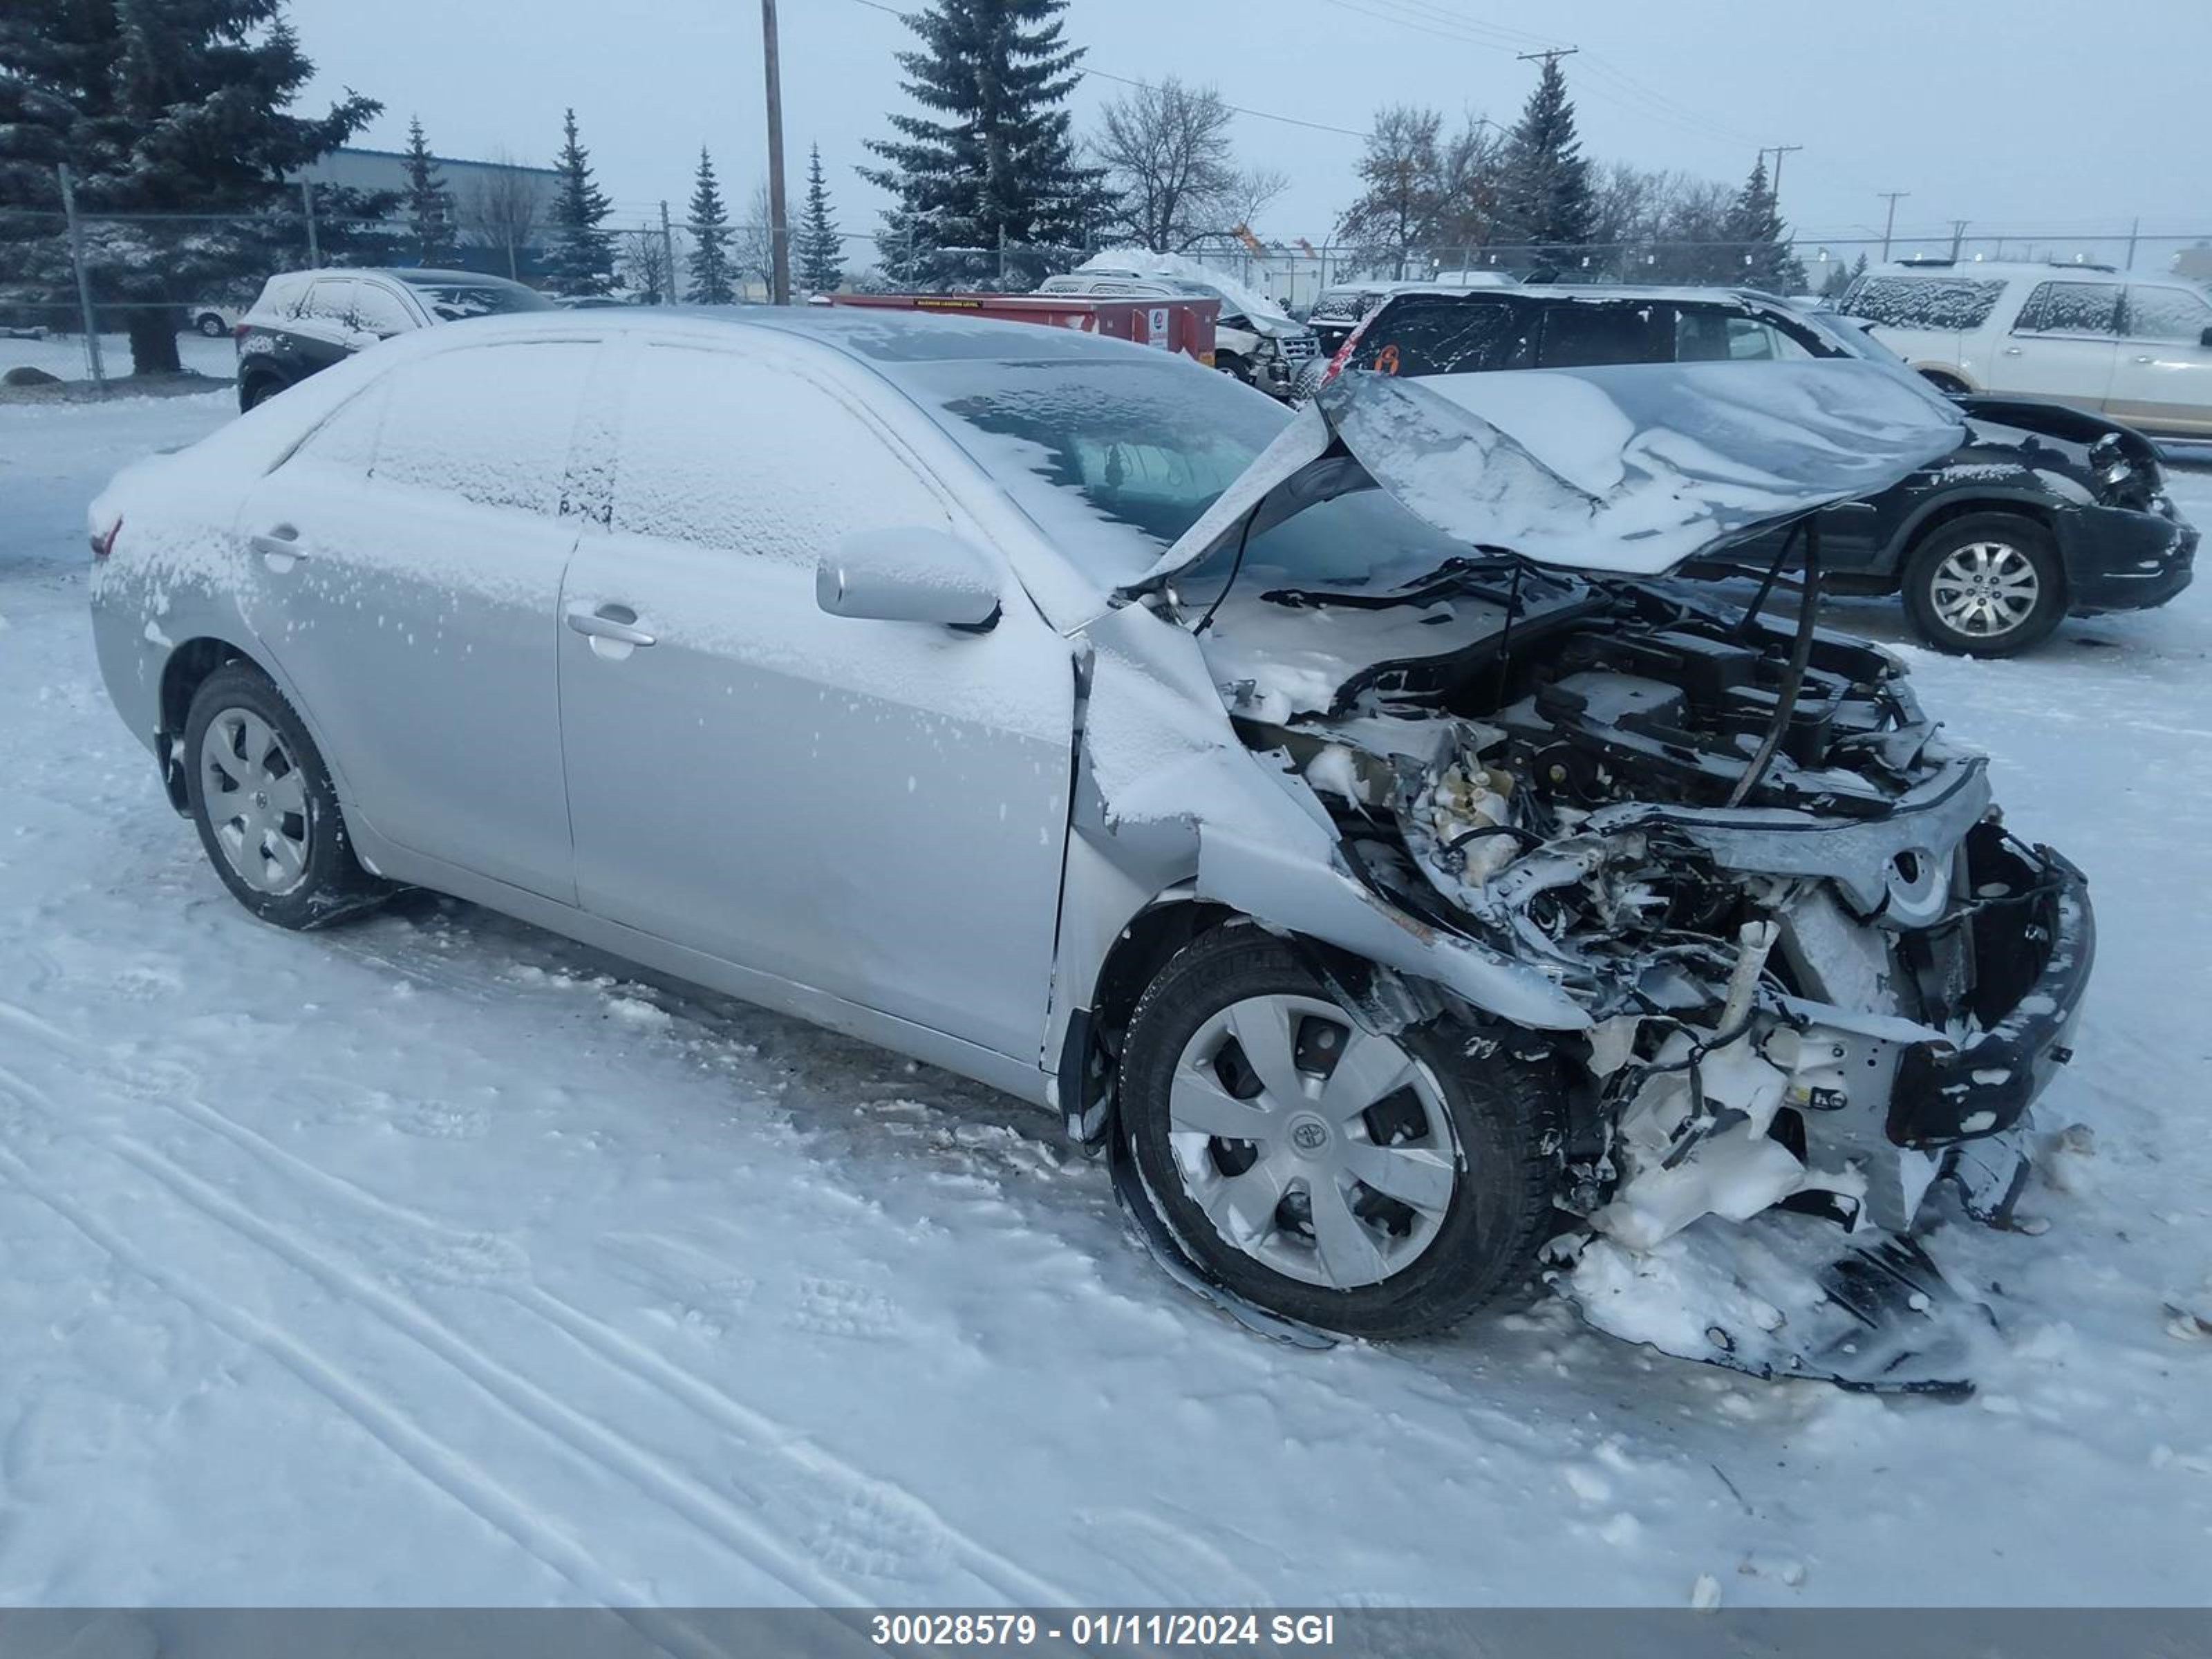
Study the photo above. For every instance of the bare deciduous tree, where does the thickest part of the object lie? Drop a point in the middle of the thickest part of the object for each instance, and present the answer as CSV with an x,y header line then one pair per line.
x,y
1400,177
643,264
503,209
752,254
1172,168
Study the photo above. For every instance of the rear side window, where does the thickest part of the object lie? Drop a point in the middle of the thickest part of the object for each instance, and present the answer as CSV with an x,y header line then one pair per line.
x,y
492,424
2167,313
382,312
1422,334
1580,335
2071,308
330,303
726,452
453,302
1943,303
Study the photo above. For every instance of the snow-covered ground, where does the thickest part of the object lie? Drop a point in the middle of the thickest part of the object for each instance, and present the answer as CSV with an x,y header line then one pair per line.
x,y
437,1260
64,355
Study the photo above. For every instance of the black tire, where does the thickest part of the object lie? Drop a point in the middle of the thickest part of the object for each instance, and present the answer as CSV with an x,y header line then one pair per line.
x,y
211,325
2018,535
257,390
1233,365
1949,384
1499,1109
331,884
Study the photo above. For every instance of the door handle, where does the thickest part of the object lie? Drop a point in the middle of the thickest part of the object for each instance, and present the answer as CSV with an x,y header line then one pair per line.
x,y
2012,351
279,546
617,623
2145,359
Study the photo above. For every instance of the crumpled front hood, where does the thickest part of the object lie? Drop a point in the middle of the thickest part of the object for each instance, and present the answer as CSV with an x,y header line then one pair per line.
x,y
1630,469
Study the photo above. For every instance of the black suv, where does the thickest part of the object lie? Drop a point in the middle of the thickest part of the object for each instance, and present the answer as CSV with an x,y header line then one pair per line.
x,y
2043,511
308,319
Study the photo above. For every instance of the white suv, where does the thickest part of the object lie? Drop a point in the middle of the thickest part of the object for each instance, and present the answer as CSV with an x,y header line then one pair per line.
x,y
2138,348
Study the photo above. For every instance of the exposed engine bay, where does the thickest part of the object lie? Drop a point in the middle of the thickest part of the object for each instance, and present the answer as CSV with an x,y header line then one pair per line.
x,y
1820,976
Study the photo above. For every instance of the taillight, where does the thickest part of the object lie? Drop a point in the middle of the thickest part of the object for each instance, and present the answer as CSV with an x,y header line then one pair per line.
x,y
103,543
238,333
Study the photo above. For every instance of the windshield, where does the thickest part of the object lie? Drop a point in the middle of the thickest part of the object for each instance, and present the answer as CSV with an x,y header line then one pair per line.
x,y
1115,460
453,302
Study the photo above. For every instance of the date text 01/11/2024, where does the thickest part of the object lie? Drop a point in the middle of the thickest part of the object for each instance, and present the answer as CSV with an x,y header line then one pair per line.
x,y
1200,1629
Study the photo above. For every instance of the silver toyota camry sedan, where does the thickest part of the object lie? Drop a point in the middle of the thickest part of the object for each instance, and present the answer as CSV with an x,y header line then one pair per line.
x,y
1336,817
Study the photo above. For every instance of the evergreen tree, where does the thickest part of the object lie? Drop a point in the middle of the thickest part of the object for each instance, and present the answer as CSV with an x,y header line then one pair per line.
x,y
709,258
821,249
582,265
429,203
986,186
1546,202
1763,256
158,109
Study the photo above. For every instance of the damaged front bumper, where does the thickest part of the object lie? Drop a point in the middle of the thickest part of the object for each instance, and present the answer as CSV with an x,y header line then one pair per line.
x,y
1944,1092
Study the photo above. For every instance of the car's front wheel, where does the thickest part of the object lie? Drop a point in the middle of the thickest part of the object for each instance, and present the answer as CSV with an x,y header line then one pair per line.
x,y
264,804
1987,585
1378,1185
212,325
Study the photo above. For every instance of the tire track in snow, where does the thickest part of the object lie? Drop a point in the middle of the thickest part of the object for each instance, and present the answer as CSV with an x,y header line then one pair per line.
x,y
521,1399
450,1472
860,1493
763,1434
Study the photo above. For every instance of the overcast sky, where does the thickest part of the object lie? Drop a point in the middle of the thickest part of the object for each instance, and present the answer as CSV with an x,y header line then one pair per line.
x,y
2048,117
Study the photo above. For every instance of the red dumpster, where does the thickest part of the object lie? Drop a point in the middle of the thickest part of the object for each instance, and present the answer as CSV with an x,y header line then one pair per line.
x,y
1176,324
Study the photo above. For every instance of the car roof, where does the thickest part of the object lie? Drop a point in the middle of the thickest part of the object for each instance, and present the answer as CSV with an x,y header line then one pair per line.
x,y
2040,270
1581,294
877,336
397,273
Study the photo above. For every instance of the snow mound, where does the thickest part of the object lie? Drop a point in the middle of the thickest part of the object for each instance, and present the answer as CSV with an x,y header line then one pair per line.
x,y
1252,303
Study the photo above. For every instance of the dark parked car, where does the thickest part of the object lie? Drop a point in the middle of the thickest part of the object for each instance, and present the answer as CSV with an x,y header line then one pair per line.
x,y
2043,510
306,320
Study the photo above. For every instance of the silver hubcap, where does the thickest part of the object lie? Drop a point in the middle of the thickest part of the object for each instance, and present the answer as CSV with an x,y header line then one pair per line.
x,y
1315,1148
256,800
1984,589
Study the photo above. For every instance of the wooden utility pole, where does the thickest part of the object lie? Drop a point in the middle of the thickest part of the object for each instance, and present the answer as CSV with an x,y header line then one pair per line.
x,y
84,279
1889,221
778,236
1774,185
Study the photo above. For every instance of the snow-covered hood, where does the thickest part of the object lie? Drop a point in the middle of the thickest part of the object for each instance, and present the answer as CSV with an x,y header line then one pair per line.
x,y
1629,470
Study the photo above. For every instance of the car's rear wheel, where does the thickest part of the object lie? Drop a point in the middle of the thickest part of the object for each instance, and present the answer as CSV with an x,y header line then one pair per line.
x,y
1379,1185
258,389
1987,585
265,809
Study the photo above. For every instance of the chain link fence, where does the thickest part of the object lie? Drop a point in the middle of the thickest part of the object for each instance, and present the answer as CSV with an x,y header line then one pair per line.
x,y
147,275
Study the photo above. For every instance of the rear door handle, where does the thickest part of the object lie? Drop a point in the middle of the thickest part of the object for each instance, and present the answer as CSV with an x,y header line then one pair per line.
x,y
2145,359
279,546
2012,351
617,623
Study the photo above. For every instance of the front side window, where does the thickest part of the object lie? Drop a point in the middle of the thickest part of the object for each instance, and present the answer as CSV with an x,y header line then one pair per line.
x,y
2176,315
492,424
1945,304
2071,308
456,302
1423,334
726,452
1589,335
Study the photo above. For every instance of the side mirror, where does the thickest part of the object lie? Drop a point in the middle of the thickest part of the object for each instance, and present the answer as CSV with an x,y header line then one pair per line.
x,y
910,575
2205,338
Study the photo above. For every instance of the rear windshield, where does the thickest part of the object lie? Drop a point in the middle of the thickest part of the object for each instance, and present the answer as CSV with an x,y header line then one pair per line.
x,y
453,302
1945,303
